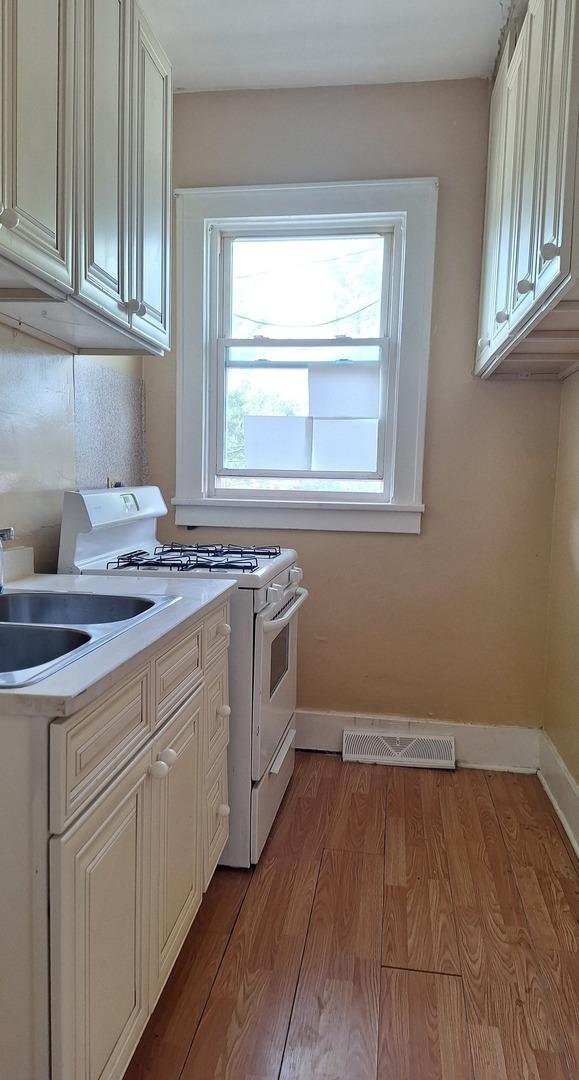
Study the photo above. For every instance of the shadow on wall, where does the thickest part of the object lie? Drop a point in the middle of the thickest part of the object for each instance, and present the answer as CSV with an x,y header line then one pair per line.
x,y
109,424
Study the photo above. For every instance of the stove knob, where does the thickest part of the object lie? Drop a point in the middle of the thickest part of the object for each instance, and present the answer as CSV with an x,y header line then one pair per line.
x,y
296,575
274,593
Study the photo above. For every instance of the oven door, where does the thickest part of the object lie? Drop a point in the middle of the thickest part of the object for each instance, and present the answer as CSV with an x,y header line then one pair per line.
x,y
274,675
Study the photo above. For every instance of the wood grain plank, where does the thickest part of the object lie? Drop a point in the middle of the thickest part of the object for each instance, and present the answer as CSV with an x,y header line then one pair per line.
x,y
423,1029
301,829
360,809
418,928
334,1024
243,1029
167,1038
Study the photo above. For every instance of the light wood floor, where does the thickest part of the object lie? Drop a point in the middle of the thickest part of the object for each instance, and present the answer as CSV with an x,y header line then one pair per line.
x,y
401,925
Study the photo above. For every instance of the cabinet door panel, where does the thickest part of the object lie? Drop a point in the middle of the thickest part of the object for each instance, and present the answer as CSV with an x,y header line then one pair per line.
x,y
104,146
99,913
511,181
555,168
176,840
151,185
537,25
38,136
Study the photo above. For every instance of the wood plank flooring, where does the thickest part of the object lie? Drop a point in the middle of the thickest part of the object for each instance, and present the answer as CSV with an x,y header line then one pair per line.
x,y
402,924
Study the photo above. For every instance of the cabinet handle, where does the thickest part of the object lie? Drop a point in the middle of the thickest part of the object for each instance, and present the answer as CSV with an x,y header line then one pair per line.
x,y
223,810
224,712
502,316
483,342
550,251
224,629
9,218
134,307
168,756
525,286
158,770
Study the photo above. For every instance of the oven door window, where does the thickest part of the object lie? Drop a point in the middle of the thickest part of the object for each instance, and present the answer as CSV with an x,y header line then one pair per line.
x,y
279,659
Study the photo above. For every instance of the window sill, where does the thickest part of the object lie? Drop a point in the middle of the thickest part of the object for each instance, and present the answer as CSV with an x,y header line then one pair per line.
x,y
332,517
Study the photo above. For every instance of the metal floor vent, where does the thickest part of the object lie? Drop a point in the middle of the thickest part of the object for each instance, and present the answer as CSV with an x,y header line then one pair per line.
x,y
420,751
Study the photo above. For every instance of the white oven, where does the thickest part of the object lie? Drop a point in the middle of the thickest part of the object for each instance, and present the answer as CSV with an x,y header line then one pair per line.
x,y
274,674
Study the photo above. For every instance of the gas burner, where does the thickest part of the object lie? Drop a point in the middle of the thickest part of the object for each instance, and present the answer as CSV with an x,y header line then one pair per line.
x,y
270,552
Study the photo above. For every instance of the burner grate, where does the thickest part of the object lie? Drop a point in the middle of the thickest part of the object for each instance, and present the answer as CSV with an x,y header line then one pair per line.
x,y
182,557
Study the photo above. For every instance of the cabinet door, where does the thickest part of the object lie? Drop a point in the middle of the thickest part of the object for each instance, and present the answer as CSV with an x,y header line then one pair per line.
x,y
533,72
511,185
176,838
150,185
100,884
556,164
495,168
36,216
103,45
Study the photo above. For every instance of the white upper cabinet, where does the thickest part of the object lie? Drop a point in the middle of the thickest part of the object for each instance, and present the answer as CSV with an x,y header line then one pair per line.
x,y
103,88
86,175
530,271
37,120
151,209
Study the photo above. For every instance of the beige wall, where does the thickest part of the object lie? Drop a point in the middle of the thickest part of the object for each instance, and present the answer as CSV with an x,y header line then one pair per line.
x,y
37,438
562,699
450,624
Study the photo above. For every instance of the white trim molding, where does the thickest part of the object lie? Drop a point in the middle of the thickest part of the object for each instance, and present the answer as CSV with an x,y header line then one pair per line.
x,y
499,748
478,746
407,210
561,788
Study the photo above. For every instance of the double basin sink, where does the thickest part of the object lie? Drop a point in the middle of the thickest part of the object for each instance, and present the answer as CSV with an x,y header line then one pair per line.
x,y
41,632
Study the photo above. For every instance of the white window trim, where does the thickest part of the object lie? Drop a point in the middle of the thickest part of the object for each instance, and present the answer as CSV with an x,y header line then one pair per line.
x,y
410,202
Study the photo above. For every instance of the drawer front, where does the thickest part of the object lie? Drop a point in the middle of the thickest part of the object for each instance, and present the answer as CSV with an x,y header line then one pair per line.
x,y
216,824
88,749
177,672
217,633
217,713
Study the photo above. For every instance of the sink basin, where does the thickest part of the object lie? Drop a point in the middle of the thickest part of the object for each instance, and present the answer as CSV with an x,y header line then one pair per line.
x,y
69,609
23,648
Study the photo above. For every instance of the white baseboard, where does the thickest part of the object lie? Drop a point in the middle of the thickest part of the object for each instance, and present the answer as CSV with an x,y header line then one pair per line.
x,y
562,789
478,746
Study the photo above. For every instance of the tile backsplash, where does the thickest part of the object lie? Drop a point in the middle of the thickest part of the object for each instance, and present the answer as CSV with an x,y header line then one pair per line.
x,y
52,438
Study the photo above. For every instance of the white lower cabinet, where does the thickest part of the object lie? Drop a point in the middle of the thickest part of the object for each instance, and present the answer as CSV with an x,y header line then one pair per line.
x,y
127,876
177,886
99,879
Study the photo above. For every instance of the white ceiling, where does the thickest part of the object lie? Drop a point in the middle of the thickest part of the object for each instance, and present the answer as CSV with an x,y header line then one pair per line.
x,y
226,44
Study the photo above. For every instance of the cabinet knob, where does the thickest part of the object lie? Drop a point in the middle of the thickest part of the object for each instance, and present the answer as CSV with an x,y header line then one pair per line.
x,y
134,307
168,756
525,286
550,251
158,770
9,218
224,629
223,810
224,712
502,316
483,342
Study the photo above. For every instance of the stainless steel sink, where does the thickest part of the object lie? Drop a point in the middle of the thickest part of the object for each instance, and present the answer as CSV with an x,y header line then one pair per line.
x,y
26,650
41,632
70,609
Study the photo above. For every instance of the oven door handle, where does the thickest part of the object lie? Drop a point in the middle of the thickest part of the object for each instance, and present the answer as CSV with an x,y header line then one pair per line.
x,y
270,626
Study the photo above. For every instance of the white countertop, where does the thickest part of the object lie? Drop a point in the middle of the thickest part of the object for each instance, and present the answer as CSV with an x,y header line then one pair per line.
x,y
80,681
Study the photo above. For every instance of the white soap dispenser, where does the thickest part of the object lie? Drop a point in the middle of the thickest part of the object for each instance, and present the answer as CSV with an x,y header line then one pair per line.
x,y
5,534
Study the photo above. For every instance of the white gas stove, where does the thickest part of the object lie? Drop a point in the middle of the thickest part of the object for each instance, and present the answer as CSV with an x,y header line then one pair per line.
x,y
114,531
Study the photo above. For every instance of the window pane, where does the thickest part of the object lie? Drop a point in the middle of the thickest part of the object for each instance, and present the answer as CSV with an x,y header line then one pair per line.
x,y
297,483
306,286
260,394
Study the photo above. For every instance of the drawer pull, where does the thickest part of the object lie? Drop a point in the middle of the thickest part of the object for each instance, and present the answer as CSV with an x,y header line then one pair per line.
x,y
223,810
168,756
223,629
550,251
135,307
483,342
524,286
9,218
502,316
158,770
224,712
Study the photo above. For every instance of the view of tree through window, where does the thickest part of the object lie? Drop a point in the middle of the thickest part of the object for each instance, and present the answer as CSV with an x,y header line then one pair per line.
x,y
314,302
